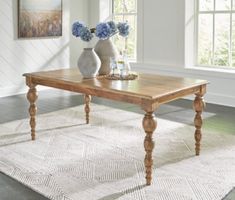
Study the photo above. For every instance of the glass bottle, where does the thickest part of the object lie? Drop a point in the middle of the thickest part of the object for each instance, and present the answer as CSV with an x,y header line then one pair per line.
x,y
126,65
113,66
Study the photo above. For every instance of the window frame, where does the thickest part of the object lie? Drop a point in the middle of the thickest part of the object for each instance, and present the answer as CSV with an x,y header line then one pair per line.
x,y
136,54
213,12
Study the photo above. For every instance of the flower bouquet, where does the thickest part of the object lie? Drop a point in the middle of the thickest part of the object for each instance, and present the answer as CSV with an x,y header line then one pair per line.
x,y
103,30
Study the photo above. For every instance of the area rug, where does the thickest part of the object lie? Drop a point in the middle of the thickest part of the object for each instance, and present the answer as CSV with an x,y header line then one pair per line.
x,y
104,160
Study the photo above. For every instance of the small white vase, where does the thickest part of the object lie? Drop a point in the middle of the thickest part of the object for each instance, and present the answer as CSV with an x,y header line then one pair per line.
x,y
89,63
105,49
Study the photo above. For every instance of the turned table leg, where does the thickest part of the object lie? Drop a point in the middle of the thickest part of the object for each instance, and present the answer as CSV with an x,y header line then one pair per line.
x,y
87,99
32,97
198,107
149,125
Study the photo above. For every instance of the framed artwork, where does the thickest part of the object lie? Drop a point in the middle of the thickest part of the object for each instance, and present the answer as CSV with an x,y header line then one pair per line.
x,y
39,18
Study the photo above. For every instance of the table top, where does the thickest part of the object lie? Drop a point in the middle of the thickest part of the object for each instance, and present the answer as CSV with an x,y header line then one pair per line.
x,y
146,86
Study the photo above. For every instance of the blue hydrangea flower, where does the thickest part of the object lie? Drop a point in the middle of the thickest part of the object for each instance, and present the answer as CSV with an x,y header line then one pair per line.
x,y
123,29
113,27
76,28
103,31
86,34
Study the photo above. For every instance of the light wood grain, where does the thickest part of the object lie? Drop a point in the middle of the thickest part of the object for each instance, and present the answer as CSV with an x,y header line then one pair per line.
x,y
148,91
87,99
147,87
149,125
32,97
199,105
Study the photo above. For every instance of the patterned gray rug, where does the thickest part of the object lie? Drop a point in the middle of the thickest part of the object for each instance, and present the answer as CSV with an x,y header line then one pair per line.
x,y
104,160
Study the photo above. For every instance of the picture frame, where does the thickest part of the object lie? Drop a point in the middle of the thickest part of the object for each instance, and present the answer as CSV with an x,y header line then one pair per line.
x,y
39,18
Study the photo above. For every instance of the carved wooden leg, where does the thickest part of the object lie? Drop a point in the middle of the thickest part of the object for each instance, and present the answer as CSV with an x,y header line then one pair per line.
x,y
149,125
198,107
87,99
32,97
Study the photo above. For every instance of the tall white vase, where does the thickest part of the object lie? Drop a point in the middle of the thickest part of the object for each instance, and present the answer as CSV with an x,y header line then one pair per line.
x,y
105,49
89,63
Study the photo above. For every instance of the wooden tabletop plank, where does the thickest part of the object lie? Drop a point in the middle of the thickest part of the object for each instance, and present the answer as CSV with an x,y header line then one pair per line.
x,y
145,86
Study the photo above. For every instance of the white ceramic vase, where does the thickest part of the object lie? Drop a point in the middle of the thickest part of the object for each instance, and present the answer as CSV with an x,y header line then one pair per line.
x,y
89,63
105,49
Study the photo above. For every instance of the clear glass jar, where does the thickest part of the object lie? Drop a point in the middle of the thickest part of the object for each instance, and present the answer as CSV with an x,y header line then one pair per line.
x,y
126,65
114,66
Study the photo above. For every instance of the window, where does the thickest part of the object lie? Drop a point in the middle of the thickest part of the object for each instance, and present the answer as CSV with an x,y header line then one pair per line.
x,y
216,33
126,10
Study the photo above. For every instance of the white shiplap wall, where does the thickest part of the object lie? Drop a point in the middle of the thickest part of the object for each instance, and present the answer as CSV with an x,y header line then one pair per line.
x,y
18,56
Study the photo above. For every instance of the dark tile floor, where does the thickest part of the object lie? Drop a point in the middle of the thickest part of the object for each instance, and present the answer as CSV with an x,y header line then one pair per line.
x,y
13,190
216,118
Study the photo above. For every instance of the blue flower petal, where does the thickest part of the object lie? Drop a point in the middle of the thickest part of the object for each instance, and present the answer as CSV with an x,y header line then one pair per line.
x,y
103,31
86,34
124,29
76,28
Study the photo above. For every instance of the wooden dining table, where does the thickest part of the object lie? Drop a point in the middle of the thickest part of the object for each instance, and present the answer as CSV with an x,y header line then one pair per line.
x,y
148,91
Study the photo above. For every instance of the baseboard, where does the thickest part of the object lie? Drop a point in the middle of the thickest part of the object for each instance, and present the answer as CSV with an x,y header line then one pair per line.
x,y
12,91
217,99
